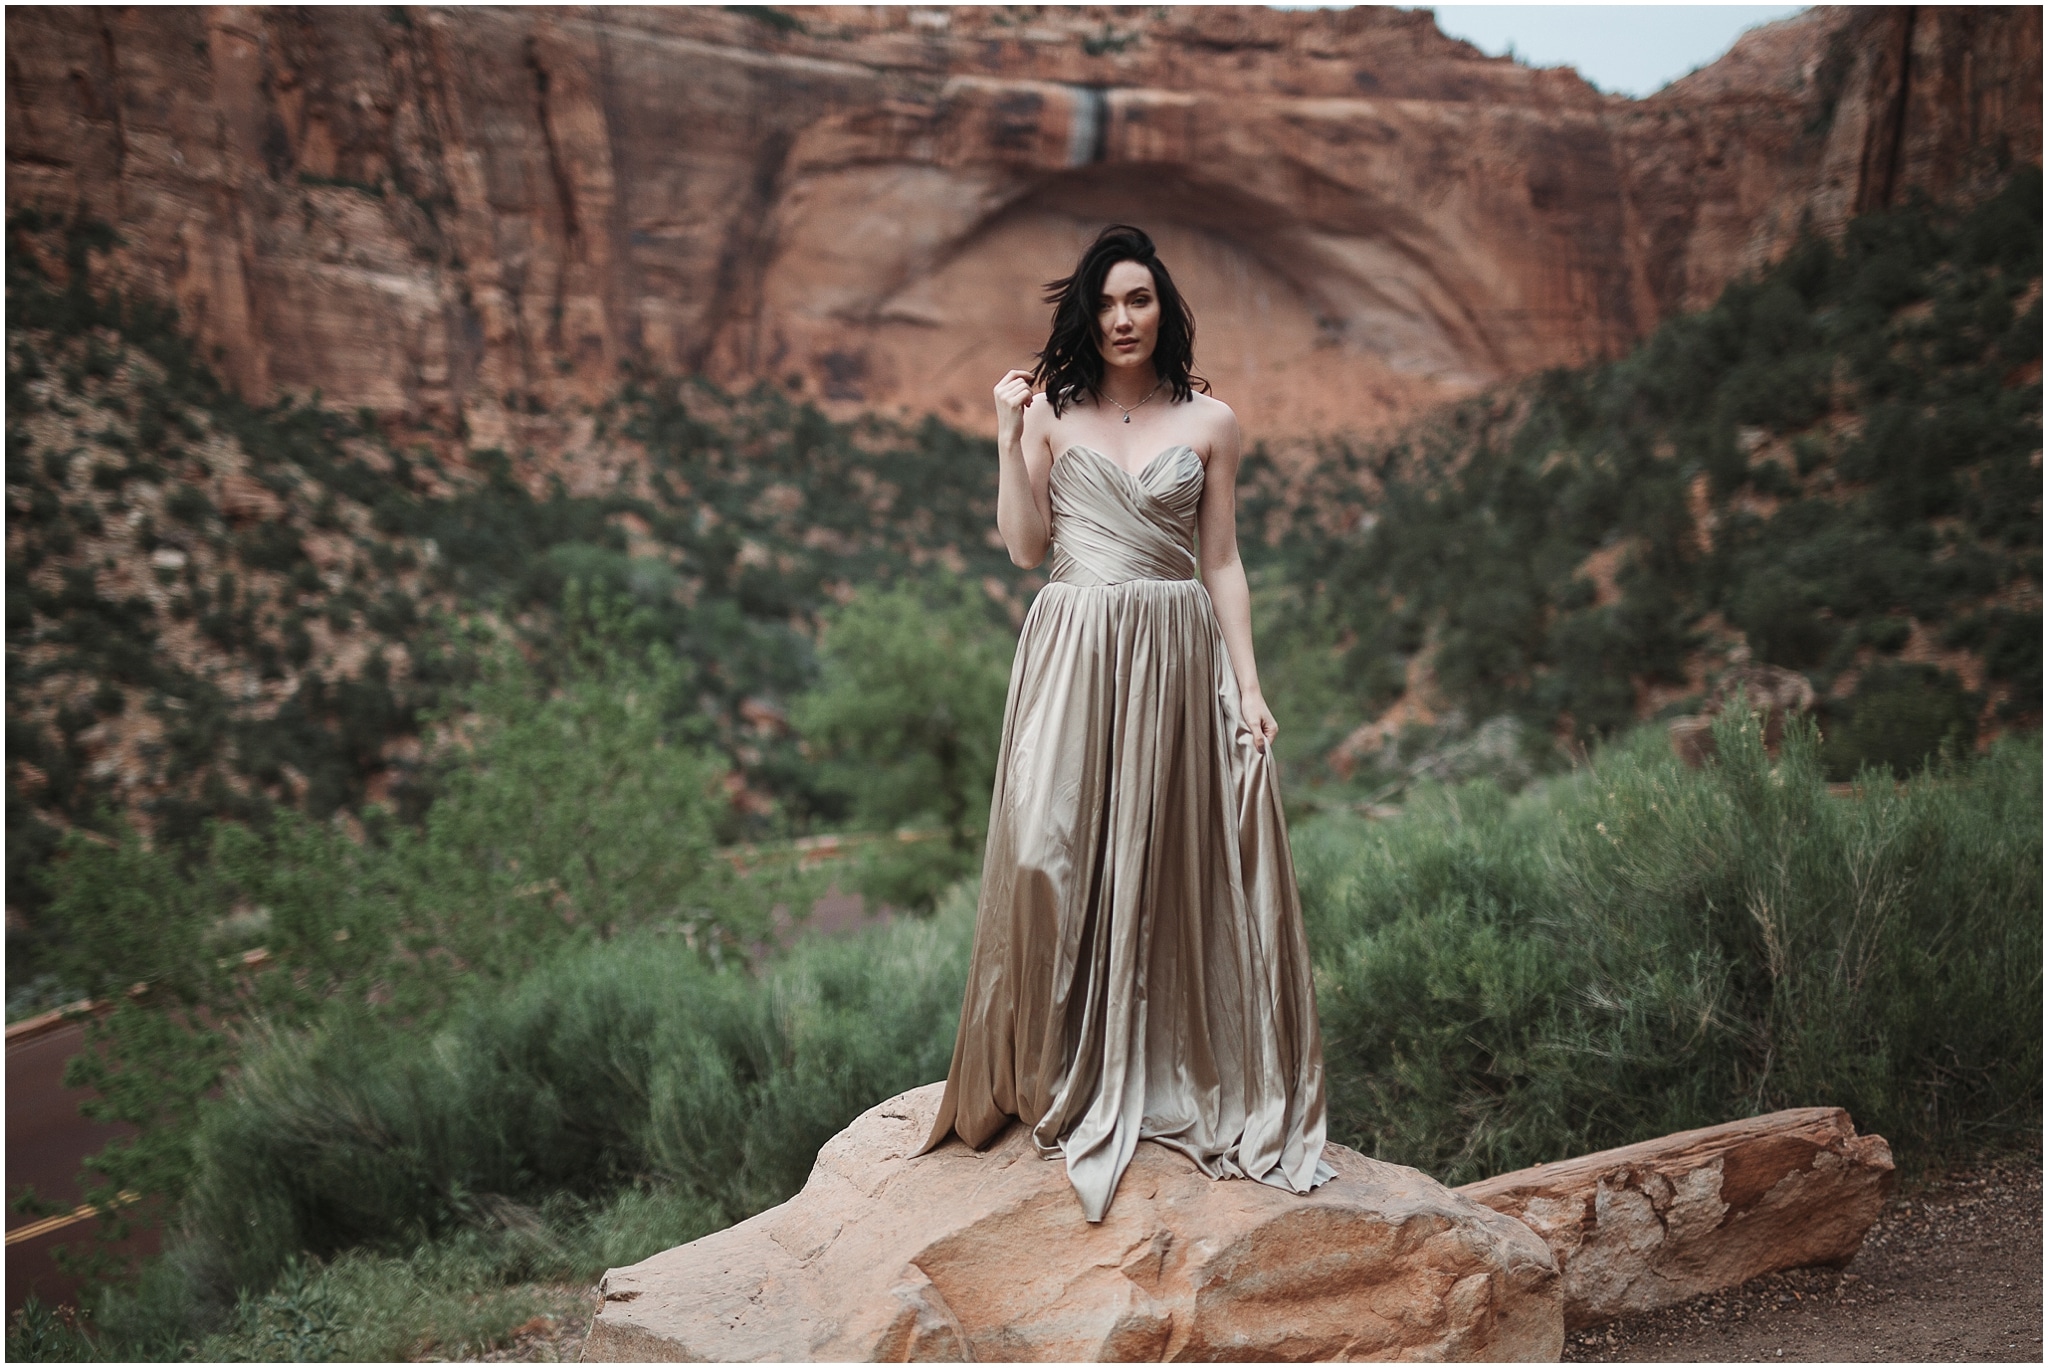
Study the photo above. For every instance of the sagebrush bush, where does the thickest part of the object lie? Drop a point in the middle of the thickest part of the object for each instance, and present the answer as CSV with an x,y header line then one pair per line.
x,y
1641,948
622,1062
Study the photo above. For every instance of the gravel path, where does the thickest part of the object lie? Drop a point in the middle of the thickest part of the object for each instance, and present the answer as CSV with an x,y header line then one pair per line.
x,y
1950,1273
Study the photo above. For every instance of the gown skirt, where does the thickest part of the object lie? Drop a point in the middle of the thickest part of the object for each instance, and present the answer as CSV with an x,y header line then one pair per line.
x,y
1139,969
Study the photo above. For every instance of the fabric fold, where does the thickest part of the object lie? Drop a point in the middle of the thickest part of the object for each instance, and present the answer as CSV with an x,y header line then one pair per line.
x,y
1139,970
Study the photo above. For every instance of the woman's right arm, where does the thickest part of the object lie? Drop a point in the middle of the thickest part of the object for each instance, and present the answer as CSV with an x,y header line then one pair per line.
x,y
1023,504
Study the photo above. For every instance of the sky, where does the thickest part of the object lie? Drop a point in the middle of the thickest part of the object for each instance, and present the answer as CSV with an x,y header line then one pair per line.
x,y
1623,49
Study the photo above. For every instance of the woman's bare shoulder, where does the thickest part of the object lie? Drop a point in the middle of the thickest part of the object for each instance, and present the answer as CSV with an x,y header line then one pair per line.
x,y
1041,424
1217,420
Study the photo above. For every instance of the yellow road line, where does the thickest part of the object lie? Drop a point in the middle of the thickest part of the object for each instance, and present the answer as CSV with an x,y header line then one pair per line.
x,y
83,1212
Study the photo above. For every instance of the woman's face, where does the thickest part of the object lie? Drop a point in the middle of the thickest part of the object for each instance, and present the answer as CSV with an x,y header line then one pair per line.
x,y
1127,315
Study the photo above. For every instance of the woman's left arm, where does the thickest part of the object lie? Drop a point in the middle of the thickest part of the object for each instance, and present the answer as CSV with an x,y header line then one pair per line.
x,y
1223,575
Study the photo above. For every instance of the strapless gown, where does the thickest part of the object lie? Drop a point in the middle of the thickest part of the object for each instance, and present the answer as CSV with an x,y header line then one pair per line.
x,y
1139,968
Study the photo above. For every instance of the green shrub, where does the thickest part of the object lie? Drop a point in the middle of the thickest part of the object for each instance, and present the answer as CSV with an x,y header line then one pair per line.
x,y
621,1059
464,1294
1898,718
2012,652
270,546
1640,948
907,715
37,1333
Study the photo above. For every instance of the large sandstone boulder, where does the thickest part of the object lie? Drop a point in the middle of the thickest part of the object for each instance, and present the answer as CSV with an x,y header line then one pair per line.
x,y
1653,1224
958,1254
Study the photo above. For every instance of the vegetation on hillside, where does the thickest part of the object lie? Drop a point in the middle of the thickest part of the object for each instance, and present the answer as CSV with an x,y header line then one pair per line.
x,y
1836,466
223,611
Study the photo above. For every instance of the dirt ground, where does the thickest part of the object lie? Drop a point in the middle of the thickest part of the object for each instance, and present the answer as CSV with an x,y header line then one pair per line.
x,y
1950,1273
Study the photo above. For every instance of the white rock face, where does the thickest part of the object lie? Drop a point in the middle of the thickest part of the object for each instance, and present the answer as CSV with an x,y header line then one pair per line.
x,y
965,1255
1653,1224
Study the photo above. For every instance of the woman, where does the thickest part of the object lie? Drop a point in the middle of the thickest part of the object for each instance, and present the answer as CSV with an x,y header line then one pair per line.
x,y
1139,969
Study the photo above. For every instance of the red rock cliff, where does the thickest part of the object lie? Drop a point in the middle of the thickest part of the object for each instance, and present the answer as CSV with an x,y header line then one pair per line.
x,y
483,214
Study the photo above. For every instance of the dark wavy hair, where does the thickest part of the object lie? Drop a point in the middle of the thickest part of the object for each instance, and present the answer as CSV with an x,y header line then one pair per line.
x,y
1071,364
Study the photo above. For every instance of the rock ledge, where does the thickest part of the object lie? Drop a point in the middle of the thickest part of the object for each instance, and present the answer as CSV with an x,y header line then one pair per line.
x,y
965,1255
1656,1223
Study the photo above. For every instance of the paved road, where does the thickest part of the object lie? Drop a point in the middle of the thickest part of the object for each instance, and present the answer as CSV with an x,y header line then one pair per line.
x,y
46,1138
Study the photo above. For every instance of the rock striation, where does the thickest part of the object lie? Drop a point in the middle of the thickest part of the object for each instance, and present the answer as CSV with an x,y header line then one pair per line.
x,y
1654,1224
965,1255
476,220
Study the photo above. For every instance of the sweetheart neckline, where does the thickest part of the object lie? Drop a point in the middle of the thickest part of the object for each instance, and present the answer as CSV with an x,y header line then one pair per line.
x,y
1144,470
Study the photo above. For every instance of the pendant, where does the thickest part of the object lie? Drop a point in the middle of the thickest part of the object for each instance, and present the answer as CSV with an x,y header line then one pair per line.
x,y
1127,417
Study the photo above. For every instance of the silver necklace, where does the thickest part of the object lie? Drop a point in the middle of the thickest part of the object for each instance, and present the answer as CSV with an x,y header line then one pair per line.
x,y
1142,402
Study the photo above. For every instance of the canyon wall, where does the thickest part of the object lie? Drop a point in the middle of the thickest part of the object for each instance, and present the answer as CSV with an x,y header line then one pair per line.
x,y
477,220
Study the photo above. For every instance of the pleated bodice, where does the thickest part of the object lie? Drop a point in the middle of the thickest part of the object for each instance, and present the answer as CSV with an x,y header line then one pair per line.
x,y
1110,526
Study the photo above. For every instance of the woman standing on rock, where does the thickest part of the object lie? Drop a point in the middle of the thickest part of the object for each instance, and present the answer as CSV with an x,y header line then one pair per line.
x,y
1139,967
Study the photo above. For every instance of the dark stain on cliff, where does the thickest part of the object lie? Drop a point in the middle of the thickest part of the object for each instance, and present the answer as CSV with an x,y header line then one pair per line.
x,y
1895,115
743,256
565,196
1014,121
113,73
565,192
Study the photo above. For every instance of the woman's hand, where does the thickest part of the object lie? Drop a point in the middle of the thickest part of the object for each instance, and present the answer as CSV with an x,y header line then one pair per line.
x,y
1023,513
1013,396
1258,718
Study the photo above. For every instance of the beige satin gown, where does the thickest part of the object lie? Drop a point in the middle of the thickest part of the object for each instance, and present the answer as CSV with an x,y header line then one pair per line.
x,y
1139,968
